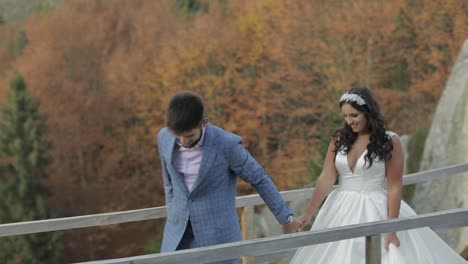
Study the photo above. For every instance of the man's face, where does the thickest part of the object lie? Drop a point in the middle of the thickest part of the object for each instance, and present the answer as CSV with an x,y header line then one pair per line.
x,y
190,138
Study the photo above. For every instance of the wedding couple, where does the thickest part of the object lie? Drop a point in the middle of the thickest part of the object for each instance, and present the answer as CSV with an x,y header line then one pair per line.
x,y
201,162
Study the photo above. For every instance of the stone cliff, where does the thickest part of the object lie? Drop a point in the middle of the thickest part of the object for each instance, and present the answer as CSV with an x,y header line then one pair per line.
x,y
446,145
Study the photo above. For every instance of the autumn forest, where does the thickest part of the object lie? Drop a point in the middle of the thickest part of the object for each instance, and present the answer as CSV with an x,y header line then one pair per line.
x,y
271,71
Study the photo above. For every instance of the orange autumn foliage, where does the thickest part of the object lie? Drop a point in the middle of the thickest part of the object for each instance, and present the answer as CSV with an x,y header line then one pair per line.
x,y
271,71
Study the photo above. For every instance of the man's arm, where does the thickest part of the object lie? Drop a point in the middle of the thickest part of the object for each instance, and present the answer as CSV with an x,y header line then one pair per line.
x,y
246,167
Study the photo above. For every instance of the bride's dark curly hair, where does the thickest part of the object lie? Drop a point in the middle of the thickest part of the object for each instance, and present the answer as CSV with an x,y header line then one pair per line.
x,y
380,145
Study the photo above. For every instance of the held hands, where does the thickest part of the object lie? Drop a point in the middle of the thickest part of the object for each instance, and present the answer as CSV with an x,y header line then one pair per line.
x,y
305,220
391,238
295,226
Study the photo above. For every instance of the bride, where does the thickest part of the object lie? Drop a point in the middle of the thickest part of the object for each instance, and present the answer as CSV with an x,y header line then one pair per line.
x,y
369,162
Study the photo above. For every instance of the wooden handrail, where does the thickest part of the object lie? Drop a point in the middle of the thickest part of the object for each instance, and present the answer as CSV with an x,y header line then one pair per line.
x,y
434,174
65,223
261,246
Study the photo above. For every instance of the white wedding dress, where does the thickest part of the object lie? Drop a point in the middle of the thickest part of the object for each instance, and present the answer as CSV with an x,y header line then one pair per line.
x,y
361,197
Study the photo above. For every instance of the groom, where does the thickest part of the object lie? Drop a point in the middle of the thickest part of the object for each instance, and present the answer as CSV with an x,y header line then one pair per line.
x,y
200,164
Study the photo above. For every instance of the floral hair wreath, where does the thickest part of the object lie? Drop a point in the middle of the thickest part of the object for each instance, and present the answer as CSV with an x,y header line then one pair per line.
x,y
347,97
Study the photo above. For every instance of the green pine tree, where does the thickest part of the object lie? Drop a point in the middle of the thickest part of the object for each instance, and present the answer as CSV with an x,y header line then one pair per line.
x,y
23,164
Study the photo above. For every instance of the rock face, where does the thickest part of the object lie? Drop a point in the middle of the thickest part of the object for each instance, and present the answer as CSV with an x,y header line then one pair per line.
x,y
446,145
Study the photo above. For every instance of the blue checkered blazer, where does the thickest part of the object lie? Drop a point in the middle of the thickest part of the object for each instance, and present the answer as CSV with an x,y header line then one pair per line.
x,y
211,203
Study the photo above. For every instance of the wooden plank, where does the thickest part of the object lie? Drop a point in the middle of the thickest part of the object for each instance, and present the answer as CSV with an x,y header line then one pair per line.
x,y
248,229
433,174
276,257
81,221
263,246
373,249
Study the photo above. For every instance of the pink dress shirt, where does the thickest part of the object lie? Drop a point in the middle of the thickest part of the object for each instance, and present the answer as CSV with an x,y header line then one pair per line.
x,y
187,161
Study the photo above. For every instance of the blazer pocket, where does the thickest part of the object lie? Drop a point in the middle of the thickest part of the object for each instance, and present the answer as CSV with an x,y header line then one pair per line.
x,y
228,230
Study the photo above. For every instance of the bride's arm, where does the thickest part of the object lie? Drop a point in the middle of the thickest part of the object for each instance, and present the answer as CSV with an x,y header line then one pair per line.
x,y
394,171
323,186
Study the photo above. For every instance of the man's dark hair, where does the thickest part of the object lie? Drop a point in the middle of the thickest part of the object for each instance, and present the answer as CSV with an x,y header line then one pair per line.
x,y
185,112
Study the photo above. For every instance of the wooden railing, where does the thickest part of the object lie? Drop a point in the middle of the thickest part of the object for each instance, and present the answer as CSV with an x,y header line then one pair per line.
x,y
245,202
262,246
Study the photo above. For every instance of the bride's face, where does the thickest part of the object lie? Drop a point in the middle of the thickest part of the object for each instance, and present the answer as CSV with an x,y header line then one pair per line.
x,y
356,119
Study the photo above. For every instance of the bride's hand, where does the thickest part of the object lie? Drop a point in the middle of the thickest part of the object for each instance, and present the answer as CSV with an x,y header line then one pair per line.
x,y
391,238
305,220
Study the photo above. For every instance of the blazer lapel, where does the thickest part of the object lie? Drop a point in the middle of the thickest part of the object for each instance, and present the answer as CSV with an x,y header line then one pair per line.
x,y
169,147
209,154
169,152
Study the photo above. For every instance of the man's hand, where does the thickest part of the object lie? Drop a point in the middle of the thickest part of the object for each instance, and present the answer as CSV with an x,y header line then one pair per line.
x,y
295,226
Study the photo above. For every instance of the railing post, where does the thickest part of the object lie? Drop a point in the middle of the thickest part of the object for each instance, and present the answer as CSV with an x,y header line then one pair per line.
x,y
248,229
373,249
